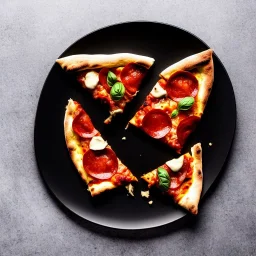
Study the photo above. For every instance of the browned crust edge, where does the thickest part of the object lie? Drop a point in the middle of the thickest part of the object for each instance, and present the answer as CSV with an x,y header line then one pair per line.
x,y
81,62
72,141
191,199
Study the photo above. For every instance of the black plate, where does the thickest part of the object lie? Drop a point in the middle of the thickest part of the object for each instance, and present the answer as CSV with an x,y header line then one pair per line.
x,y
167,44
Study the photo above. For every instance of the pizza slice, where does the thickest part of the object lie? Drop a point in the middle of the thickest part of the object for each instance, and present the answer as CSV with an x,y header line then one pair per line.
x,y
173,108
115,78
180,178
93,158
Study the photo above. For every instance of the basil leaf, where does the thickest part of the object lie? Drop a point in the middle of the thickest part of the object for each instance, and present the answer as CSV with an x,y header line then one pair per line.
x,y
186,103
164,179
111,79
117,91
175,112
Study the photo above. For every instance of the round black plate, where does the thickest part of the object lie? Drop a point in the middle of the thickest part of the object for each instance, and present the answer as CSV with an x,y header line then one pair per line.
x,y
167,44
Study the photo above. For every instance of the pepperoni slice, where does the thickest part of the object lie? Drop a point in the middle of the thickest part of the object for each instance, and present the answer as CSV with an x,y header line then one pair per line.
x,y
182,84
186,127
131,76
82,125
177,178
101,164
156,123
103,78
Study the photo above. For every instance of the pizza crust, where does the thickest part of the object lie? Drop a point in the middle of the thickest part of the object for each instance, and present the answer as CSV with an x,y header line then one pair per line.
x,y
191,199
203,62
188,63
94,61
72,141
98,188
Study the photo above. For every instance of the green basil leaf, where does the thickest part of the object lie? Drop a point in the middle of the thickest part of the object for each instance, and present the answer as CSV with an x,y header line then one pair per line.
x,y
117,91
186,103
111,79
164,179
175,112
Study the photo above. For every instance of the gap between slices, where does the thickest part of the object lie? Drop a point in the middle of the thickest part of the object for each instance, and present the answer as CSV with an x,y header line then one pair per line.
x,y
93,158
181,179
175,105
113,78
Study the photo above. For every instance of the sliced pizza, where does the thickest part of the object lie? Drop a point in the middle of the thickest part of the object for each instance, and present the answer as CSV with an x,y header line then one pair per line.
x,y
173,108
115,78
180,178
93,158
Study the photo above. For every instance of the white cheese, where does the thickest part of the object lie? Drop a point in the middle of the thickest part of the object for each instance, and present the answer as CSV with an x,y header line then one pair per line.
x,y
175,164
145,193
158,91
91,80
97,143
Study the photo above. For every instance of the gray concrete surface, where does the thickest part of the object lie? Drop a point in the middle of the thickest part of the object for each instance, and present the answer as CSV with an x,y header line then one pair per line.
x,y
33,34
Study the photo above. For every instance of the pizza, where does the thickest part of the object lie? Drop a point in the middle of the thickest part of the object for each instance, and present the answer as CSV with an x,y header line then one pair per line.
x,y
181,179
113,78
175,105
94,159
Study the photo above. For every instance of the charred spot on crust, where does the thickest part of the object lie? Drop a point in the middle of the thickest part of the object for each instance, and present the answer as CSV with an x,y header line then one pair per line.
x,y
198,151
95,66
145,104
92,189
141,64
71,148
192,208
199,172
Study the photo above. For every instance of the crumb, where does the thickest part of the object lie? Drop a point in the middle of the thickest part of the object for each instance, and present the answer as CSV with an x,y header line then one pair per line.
x,y
145,193
210,144
130,189
124,138
150,202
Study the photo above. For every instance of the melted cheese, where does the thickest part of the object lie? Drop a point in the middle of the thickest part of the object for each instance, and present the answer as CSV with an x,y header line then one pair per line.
x,y
97,143
91,80
166,105
175,164
158,91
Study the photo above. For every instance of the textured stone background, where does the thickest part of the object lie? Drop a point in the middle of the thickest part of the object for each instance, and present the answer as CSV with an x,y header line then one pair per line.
x,y
33,34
